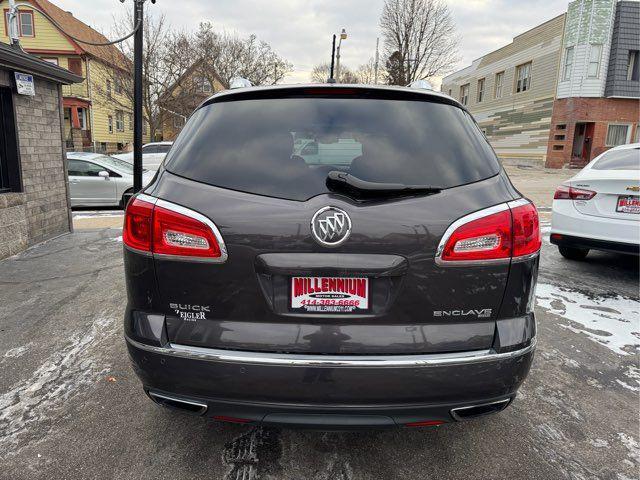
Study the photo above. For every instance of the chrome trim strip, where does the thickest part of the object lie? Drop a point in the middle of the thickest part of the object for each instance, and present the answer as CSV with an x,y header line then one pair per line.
x,y
192,214
203,406
524,258
338,361
454,411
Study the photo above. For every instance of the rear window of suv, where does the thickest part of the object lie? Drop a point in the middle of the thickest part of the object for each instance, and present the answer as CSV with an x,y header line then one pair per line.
x,y
285,147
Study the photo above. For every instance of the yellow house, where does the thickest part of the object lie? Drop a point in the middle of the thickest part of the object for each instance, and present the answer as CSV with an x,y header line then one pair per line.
x,y
193,87
97,112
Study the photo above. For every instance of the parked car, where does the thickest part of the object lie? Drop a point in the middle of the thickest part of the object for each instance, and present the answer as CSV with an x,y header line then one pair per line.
x,y
394,287
599,208
152,155
100,180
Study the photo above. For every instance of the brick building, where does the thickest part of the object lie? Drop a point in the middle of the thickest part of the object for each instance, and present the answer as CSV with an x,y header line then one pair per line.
x,y
34,202
597,102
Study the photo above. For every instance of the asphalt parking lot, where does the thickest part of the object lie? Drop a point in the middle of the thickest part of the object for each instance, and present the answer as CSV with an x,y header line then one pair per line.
x,y
71,407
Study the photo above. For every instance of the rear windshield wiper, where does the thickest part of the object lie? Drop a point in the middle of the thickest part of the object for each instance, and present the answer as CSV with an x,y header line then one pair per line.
x,y
350,182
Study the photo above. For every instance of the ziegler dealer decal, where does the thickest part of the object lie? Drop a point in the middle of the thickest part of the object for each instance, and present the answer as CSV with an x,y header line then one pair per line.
x,y
329,294
190,313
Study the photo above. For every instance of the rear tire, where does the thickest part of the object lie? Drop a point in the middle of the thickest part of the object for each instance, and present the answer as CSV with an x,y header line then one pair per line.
x,y
126,196
573,253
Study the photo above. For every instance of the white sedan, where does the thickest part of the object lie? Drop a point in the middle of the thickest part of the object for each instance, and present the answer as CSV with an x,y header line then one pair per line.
x,y
152,155
100,180
599,208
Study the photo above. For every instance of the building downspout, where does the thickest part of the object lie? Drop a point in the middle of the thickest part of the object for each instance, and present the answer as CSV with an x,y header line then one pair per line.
x,y
64,158
90,93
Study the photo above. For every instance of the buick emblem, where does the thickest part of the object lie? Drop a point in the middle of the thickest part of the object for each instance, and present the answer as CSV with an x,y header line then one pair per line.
x,y
331,226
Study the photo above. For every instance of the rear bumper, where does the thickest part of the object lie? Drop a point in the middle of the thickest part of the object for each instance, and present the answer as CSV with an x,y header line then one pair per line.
x,y
594,244
330,391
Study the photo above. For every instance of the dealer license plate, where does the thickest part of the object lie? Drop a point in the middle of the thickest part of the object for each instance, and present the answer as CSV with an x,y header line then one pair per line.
x,y
329,294
628,204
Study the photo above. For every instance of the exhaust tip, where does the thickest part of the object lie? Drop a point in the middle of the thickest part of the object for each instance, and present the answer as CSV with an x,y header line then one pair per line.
x,y
474,411
189,406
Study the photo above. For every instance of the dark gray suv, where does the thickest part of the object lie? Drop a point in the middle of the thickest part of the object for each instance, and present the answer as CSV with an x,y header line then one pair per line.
x,y
331,256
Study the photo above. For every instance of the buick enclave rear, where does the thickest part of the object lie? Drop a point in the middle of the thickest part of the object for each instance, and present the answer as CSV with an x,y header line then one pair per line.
x,y
331,256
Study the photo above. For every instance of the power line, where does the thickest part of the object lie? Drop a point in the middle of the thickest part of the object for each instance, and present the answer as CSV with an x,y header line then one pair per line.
x,y
86,42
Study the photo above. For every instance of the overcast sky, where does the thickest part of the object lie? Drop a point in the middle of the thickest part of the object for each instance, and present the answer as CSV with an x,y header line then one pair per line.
x,y
300,30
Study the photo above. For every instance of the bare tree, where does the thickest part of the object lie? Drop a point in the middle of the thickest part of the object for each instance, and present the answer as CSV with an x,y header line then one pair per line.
x,y
420,35
366,72
321,72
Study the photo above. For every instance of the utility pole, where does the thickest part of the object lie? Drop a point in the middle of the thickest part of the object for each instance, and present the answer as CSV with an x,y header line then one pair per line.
x,y
375,76
333,59
138,18
343,36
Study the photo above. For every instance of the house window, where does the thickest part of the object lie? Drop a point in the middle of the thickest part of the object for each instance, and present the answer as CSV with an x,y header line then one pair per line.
x,y
449,92
52,60
110,122
109,89
203,85
568,64
464,94
480,95
120,121
499,84
595,52
24,23
618,134
75,66
633,66
523,77
9,163
117,84
130,122
82,116
144,127
178,122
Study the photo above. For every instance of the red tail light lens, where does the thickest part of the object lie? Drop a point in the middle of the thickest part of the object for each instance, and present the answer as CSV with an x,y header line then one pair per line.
x,y
564,192
482,239
177,234
159,227
526,230
136,232
500,233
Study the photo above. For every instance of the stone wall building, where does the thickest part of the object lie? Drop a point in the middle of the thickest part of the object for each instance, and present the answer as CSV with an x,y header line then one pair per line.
x,y
511,91
597,104
34,203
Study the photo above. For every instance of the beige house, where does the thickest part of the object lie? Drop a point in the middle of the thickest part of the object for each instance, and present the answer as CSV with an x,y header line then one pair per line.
x,y
511,91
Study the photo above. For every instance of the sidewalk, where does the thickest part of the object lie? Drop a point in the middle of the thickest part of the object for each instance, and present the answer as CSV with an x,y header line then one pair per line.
x,y
535,183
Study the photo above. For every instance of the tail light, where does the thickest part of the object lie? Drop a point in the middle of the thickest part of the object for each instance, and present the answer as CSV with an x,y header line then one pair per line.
x,y
171,231
498,234
565,192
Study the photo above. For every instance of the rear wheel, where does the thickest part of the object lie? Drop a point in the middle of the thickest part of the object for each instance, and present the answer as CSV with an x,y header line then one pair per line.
x,y
573,253
126,196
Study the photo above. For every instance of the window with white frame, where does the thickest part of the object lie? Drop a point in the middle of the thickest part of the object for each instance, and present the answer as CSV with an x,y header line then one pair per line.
x,y
108,89
120,121
499,84
523,77
568,64
464,94
110,123
82,116
593,70
618,134
633,66
480,93
203,85
24,21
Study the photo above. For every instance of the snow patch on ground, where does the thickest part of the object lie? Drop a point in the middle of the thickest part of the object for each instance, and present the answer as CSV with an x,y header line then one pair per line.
x,y
612,321
117,239
31,402
16,352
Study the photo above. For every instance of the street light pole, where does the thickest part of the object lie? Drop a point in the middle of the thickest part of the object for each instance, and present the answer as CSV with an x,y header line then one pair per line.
x,y
138,17
333,57
343,36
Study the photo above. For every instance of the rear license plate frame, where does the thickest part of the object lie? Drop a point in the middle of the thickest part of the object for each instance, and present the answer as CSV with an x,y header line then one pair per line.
x,y
333,300
633,198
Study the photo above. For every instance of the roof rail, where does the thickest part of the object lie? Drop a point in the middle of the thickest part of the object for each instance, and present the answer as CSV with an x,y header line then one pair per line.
x,y
423,84
239,82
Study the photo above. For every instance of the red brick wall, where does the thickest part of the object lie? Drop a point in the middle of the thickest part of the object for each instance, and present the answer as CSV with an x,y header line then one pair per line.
x,y
601,111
